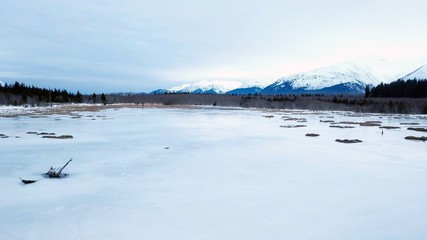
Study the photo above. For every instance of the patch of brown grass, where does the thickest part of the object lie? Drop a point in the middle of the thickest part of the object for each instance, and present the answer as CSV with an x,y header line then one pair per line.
x,y
423,138
348,140
369,124
418,129
408,123
338,126
293,126
59,137
390,127
312,135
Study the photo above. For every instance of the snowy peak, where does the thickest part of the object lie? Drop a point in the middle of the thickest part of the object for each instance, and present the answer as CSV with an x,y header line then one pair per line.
x,y
419,74
348,74
346,77
207,87
350,77
1,84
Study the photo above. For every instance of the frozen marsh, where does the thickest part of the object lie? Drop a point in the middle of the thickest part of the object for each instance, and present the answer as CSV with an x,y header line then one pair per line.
x,y
211,173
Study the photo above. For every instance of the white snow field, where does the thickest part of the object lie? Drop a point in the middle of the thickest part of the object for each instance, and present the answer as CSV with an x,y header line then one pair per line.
x,y
212,173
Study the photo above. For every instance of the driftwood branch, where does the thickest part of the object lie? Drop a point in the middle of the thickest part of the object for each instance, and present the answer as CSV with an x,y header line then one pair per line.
x,y
57,173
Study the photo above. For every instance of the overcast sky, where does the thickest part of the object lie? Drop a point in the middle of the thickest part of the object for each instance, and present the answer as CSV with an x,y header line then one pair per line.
x,y
125,45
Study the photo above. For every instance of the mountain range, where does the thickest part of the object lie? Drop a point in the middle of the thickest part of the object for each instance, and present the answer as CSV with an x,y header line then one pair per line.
x,y
207,87
215,87
350,77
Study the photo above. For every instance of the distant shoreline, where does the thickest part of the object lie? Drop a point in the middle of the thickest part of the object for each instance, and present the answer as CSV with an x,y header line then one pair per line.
x,y
172,102
355,103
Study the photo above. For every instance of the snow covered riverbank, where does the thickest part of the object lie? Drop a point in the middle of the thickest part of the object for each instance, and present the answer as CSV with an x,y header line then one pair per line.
x,y
209,173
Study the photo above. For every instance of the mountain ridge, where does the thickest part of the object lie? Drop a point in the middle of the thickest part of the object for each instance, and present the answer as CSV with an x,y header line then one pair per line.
x,y
349,77
419,74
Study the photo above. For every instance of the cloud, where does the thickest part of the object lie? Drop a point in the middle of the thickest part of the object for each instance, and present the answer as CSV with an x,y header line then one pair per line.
x,y
143,45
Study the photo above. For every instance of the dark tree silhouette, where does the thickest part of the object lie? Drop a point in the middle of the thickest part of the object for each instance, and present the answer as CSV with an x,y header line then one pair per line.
x,y
103,99
400,88
19,93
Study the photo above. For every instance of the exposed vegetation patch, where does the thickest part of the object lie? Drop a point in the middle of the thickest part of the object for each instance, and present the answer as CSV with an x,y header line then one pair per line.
x,y
59,137
378,122
348,140
327,121
370,124
408,123
290,119
293,126
363,124
423,138
390,127
338,126
46,134
3,136
301,120
51,135
41,133
312,135
418,129
268,116
27,181
348,122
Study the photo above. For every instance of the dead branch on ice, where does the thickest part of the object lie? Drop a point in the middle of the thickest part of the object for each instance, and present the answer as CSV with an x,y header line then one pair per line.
x,y
57,173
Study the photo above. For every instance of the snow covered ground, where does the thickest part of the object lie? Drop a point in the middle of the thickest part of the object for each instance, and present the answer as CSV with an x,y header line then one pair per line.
x,y
18,110
212,173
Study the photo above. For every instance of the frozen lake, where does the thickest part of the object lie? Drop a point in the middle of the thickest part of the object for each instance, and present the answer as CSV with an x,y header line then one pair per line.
x,y
212,173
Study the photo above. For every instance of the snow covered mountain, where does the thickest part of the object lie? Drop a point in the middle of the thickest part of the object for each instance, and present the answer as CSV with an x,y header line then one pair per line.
x,y
349,77
159,91
206,87
215,87
245,91
418,74
1,83
248,88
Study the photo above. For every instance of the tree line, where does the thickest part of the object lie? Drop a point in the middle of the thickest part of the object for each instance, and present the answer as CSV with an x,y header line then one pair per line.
x,y
399,89
21,94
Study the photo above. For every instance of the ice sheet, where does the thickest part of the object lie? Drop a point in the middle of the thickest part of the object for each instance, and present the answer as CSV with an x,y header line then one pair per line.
x,y
212,173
